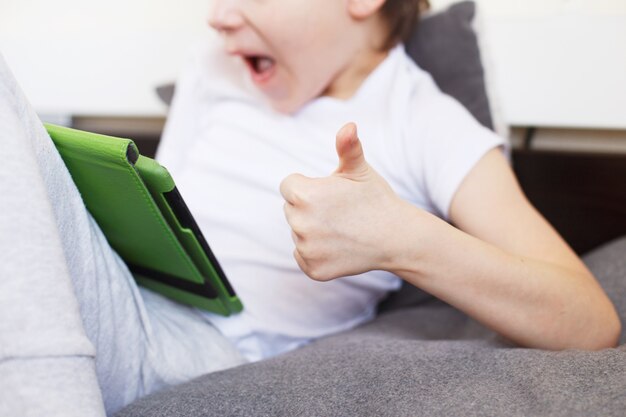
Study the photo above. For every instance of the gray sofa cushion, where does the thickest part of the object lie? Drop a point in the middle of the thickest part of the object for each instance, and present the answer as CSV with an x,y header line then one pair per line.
x,y
430,360
608,263
446,45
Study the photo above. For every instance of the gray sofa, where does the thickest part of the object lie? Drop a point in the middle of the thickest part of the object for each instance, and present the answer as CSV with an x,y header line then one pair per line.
x,y
425,360
421,356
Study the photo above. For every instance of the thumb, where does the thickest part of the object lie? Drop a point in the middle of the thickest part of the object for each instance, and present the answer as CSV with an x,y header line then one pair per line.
x,y
350,151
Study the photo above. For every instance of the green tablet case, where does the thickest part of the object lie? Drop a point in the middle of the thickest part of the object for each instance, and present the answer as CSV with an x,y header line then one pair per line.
x,y
136,204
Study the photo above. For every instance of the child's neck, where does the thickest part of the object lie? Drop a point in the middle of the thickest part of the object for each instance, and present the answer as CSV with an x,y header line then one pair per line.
x,y
349,79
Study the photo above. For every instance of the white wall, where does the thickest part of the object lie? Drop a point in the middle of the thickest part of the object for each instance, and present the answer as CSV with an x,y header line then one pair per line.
x,y
98,56
557,62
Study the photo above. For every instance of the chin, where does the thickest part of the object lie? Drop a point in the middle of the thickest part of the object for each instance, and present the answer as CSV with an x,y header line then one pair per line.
x,y
290,106
287,98
294,102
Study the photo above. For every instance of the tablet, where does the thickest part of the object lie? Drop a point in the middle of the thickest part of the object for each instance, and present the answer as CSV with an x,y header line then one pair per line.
x,y
136,203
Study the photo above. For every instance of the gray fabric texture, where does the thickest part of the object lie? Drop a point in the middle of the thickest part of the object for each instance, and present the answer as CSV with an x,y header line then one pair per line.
x,y
430,360
445,45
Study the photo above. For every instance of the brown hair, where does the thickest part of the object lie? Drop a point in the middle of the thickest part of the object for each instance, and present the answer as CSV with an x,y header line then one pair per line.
x,y
401,17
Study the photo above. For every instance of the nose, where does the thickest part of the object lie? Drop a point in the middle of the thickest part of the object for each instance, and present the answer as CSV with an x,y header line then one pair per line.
x,y
225,15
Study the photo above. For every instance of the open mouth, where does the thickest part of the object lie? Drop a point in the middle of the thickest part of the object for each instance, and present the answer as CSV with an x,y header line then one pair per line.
x,y
261,67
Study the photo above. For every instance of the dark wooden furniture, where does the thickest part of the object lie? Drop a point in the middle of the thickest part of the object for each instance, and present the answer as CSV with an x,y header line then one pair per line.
x,y
583,195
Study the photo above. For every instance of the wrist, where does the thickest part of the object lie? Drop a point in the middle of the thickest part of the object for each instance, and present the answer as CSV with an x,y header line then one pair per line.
x,y
412,230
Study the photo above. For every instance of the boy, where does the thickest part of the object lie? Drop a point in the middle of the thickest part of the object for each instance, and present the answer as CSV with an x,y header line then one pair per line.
x,y
427,159
239,126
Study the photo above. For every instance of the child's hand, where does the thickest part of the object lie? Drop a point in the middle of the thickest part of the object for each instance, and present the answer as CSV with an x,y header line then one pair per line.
x,y
346,223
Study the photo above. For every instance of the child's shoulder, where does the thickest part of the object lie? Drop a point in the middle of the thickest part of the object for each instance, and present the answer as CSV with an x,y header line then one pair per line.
x,y
416,98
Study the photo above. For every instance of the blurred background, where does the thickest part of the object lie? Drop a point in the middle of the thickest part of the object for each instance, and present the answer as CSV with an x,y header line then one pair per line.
x,y
557,69
554,63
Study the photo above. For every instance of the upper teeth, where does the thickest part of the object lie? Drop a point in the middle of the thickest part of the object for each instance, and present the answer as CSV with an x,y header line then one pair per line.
x,y
264,64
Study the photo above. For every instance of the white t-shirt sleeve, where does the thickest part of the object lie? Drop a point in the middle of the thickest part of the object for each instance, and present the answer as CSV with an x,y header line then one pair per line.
x,y
451,146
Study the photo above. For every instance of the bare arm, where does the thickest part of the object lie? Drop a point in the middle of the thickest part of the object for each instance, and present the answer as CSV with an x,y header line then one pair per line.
x,y
503,264
508,268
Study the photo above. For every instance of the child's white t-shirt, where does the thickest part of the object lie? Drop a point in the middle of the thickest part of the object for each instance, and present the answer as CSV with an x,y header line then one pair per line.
x,y
228,152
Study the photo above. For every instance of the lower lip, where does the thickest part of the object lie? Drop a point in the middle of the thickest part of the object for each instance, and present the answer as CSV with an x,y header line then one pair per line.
x,y
262,77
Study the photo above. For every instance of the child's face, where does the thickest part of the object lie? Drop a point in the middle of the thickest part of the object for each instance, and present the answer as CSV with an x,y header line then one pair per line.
x,y
294,49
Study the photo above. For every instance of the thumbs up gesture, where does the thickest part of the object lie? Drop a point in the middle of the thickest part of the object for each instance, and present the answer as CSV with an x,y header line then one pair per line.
x,y
343,224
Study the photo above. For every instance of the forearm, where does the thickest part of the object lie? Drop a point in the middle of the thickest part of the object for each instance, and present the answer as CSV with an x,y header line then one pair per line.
x,y
526,285
529,301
